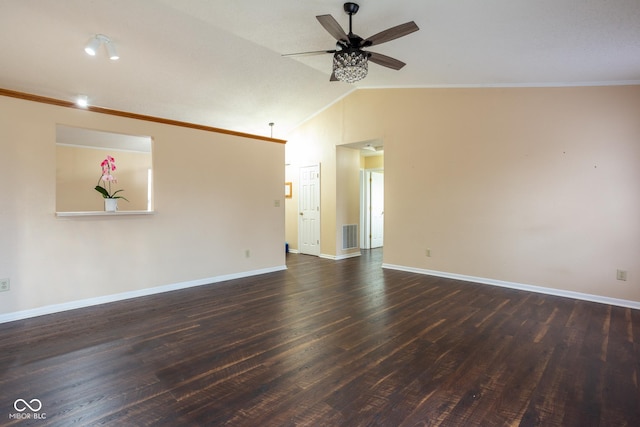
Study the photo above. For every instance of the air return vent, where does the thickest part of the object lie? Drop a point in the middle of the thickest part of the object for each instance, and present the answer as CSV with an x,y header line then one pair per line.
x,y
349,236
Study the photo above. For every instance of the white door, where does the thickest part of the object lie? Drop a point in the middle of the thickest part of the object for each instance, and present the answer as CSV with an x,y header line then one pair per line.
x,y
365,231
377,209
309,210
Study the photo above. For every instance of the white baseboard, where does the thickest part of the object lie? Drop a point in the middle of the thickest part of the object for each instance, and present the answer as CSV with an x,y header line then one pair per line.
x,y
339,257
520,286
72,305
346,256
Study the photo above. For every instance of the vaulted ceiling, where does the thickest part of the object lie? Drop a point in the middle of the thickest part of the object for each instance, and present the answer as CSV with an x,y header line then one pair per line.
x,y
219,63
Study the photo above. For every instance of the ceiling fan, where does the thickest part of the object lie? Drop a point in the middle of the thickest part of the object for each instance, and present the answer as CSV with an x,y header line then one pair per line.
x,y
349,58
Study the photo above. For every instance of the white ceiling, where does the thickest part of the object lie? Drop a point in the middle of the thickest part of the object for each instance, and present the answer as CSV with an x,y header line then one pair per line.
x,y
219,63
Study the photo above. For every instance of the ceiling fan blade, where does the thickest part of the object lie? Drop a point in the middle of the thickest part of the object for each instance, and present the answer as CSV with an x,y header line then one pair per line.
x,y
313,52
386,61
391,34
331,25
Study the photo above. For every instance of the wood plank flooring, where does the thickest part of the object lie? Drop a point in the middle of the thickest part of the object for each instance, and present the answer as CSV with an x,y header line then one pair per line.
x,y
327,343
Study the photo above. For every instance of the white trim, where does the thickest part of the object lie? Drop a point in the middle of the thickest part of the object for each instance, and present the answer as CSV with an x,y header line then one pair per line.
x,y
520,286
466,86
339,257
506,85
104,213
72,305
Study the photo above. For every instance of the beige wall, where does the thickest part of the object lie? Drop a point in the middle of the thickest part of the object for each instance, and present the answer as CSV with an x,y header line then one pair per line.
x,y
78,171
373,162
214,199
347,194
315,143
535,186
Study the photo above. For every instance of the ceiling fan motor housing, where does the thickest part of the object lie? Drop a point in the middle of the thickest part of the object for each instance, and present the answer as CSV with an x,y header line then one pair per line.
x,y
351,8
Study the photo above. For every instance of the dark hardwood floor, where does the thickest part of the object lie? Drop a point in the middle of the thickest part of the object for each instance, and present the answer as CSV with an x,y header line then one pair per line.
x,y
326,343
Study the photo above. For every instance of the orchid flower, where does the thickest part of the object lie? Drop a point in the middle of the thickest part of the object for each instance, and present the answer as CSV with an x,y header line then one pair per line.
x,y
108,165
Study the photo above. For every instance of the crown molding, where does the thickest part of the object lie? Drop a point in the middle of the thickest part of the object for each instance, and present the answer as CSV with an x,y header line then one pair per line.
x,y
102,110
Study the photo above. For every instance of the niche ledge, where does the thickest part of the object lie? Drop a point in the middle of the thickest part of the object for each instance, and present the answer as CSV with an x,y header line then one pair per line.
x,y
102,213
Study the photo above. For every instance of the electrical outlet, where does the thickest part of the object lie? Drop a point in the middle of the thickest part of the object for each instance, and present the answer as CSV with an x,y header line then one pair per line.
x,y
621,275
247,253
427,252
4,285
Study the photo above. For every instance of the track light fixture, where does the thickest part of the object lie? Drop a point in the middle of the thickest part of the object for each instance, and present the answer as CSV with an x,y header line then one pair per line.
x,y
96,41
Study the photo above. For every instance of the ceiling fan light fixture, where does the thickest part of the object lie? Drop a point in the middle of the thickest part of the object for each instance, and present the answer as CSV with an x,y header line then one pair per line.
x,y
350,65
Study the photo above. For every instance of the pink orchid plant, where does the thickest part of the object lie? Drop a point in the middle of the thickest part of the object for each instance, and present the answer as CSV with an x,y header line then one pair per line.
x,y
108,165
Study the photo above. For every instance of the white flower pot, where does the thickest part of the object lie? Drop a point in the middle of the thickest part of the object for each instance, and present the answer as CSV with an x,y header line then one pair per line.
x,y
110,205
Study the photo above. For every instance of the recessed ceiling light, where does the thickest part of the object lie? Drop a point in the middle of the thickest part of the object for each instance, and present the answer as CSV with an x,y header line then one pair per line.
x,y
82,101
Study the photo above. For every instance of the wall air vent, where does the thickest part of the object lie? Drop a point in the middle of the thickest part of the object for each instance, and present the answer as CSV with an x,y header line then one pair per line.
x,y
350,236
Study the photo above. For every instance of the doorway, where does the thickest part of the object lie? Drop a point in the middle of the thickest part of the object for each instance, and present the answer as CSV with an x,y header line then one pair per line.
x,y
372,209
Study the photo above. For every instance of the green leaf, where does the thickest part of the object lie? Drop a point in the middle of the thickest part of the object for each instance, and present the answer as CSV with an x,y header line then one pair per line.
x,y
102,191
113,196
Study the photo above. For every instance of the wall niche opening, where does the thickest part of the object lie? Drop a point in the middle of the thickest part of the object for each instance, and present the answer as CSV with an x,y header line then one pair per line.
x,y
79,153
